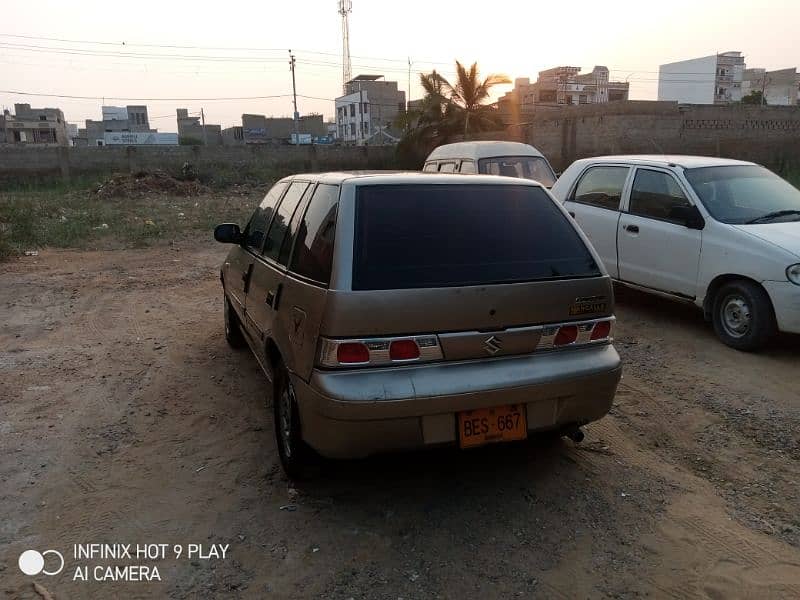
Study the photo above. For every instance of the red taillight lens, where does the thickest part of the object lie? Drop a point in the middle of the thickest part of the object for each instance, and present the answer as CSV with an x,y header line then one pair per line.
x,y
601,330
403,350
352,352
566,335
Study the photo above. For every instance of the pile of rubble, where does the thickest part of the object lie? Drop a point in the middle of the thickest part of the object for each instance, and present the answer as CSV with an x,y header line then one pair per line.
x,y
142,184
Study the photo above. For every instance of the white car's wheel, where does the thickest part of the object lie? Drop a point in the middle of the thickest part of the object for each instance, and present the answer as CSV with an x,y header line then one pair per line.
x,y
743,316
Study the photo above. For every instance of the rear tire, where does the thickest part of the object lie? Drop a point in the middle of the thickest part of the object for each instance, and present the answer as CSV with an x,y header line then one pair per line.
x,y
743,316
233,331
295,455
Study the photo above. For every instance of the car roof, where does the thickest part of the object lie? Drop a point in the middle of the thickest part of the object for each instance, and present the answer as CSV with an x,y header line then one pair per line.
x,y
667,160
407,177
483,149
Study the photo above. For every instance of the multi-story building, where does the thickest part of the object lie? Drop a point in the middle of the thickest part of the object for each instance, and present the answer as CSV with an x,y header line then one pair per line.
x,y
116,119
40,126
715,79
366,113
562,86
778,88
191,131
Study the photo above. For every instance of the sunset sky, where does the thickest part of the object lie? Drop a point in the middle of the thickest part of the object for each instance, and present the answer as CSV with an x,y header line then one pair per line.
x,y
239,48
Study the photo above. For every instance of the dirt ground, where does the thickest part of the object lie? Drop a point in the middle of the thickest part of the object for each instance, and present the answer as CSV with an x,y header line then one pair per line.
x,y
125,418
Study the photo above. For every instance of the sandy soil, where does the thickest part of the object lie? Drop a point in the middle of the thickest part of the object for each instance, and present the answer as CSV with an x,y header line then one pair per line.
x,y
125,418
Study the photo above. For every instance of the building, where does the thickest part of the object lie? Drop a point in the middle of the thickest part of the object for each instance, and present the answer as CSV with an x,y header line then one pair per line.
x,y
192,132
779,88
715,79
233,136
116,119
260,129
366,113
561,86
39,126
72,134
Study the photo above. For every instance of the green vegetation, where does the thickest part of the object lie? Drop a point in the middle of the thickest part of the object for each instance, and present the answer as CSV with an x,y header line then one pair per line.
x,y
448,111
32,219
755,97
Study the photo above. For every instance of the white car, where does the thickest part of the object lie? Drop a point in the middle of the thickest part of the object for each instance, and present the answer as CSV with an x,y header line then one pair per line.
x,y
723,234
509,159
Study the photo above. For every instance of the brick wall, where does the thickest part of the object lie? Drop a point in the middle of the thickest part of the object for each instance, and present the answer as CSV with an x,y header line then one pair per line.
x,y
767,135
24,163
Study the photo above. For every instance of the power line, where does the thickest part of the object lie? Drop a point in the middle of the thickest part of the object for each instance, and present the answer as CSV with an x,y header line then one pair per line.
x,y
214,48
72,97
241,98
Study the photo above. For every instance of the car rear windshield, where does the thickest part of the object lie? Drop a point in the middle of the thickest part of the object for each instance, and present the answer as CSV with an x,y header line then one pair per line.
x,y
525,167
421,236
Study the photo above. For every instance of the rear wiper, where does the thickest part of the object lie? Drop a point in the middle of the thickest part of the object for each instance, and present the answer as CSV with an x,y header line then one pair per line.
x,y
773,215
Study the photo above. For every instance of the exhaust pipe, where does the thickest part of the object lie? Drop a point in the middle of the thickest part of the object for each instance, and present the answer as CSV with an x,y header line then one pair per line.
x,y
576,435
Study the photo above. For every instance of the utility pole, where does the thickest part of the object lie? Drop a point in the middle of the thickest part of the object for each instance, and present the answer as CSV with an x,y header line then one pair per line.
x,y
294,96
203,122
408,103
360,113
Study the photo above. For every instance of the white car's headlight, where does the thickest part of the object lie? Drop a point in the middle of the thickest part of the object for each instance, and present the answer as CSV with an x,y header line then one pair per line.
x,y
793,273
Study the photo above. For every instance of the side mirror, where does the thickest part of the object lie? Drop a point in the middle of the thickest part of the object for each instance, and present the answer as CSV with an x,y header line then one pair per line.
x,y
228,233
687,215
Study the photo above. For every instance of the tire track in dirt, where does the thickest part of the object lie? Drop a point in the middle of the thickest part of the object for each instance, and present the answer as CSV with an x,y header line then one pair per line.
x,y
720,539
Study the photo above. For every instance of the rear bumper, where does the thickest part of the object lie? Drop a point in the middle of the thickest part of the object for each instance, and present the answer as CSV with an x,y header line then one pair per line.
x,y
785,298
349,414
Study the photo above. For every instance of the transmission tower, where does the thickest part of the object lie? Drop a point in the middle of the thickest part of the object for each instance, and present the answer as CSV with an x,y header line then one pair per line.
x,y
345,8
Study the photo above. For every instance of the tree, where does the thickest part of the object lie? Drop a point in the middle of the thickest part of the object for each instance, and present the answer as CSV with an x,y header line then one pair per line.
x,y
469,96
755,97
446,111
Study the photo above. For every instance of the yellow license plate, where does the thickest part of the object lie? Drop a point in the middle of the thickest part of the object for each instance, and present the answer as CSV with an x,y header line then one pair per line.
x,y
488,425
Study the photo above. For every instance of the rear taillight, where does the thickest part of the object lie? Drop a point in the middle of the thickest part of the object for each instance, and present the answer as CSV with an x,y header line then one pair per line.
x,y
376,352
352,353
567,334
403,350
576,334
601,331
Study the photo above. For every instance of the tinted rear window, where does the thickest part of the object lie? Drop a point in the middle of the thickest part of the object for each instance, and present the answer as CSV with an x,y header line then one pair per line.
x,y
454,235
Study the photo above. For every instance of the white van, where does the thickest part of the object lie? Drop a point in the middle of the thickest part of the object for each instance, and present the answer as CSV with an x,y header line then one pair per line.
x,y
510,159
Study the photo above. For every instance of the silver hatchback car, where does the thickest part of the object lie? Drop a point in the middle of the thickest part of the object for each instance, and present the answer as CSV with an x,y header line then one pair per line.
x,y
397,311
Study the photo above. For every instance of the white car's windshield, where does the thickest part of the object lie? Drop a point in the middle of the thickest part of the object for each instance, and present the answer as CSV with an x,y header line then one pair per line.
x,y
745,194
523,167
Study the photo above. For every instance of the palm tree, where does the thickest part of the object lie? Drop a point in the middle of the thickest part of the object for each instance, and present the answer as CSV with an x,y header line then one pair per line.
x,y
469,95
447,111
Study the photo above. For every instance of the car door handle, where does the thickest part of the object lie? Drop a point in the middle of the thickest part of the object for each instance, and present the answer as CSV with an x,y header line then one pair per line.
x,y
247,273
274,297
632,228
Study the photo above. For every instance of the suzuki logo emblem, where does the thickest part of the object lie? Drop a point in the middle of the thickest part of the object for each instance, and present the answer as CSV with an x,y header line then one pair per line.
x,y
493,345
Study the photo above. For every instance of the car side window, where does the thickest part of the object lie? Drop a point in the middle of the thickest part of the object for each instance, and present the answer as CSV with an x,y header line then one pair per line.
x,y
468,166
294,226
447,167
430,167
256,230
283,215
313,253
601,186
657,195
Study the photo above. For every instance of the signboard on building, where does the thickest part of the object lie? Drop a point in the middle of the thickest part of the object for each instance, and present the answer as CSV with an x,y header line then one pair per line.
x,y
136,138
